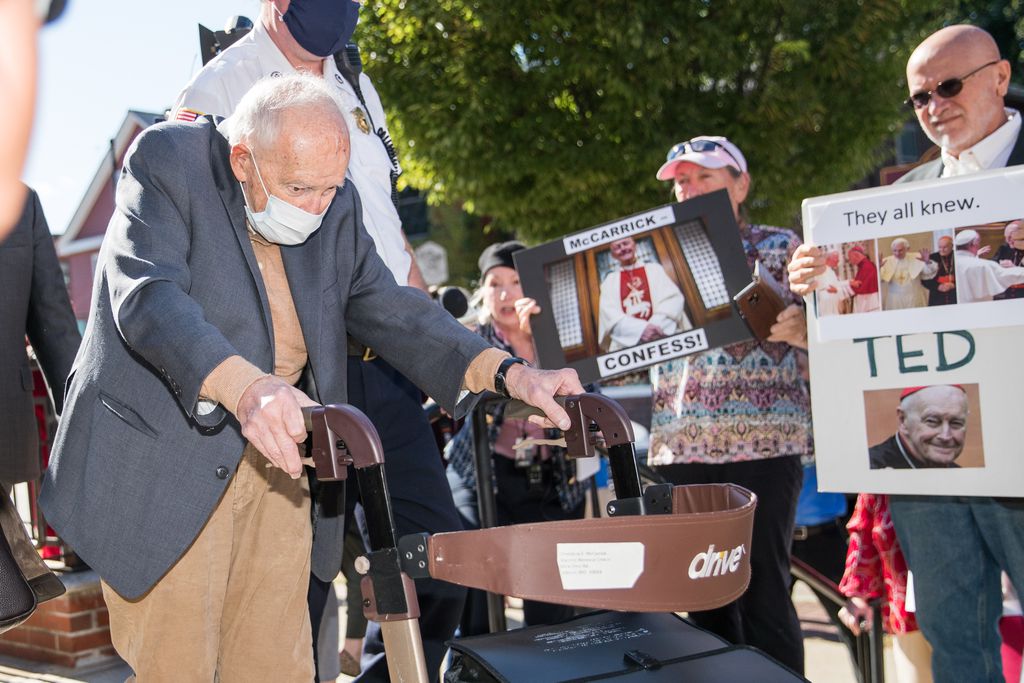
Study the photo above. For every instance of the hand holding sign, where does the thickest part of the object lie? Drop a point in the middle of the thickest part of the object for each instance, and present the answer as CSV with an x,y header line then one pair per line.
x,y
807,263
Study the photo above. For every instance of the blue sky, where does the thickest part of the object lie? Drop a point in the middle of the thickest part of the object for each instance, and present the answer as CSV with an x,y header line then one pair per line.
x,y
102,58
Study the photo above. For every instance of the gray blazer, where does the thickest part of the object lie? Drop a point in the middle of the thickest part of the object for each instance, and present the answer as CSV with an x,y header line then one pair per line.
x,y
136,471
33,301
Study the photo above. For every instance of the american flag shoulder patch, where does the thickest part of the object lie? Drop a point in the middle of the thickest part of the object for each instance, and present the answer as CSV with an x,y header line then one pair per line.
x,y
186,114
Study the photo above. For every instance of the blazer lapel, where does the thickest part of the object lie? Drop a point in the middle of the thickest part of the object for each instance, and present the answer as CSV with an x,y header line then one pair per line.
x,y
303,265
234,205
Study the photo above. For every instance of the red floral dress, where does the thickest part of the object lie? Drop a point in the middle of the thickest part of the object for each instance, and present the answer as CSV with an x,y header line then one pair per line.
x,y
875,566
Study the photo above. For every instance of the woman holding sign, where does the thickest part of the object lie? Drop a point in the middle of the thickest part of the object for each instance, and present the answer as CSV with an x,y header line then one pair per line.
x,y
741,414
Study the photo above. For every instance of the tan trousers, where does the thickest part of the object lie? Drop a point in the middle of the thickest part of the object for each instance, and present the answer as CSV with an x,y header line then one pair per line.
x,y
233,608
912,656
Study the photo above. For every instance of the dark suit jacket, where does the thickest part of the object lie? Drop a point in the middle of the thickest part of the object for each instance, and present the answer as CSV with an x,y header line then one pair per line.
x,y
33,301
933,169
136,470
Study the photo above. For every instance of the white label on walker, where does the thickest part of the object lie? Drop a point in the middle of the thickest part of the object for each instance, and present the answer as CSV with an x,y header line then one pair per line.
x,y
590,566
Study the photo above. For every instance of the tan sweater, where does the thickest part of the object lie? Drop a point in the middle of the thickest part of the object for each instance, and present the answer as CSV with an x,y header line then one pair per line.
x,y
229,380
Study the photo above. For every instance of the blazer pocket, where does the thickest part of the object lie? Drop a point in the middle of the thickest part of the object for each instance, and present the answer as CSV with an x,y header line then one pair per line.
x,y
127,415
27,381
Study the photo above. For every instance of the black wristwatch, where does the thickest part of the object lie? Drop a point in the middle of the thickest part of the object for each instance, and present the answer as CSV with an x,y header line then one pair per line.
x,y
499,376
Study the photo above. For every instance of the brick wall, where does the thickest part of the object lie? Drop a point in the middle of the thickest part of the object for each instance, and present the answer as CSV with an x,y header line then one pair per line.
x,y
71,631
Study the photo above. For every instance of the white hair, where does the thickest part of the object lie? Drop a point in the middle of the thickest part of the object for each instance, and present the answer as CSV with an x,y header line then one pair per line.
x,y
257,118
900,241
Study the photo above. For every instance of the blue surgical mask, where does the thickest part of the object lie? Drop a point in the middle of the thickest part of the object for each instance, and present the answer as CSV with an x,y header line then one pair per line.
x,y
322,27
280,222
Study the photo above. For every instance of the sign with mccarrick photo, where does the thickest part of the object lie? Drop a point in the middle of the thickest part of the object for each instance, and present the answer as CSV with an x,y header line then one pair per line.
x,y
913,386
920,257
639,290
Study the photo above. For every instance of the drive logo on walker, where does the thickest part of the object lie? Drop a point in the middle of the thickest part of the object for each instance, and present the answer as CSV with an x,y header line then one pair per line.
x,y
716,563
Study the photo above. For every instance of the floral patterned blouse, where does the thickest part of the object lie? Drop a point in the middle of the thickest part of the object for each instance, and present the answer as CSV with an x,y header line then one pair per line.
x,y
875,567
746,401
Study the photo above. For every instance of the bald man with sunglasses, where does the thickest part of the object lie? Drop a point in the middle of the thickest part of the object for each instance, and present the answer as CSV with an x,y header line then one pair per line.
x,y
956,547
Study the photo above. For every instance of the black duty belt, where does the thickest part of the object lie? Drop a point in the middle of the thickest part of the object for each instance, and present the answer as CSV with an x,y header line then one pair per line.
x,y
802,533
362,350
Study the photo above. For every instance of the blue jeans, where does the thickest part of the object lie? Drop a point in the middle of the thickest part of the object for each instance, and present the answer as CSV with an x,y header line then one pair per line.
x,y
956,547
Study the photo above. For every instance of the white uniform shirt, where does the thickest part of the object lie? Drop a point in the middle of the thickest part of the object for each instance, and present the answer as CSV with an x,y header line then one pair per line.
x,y
220,85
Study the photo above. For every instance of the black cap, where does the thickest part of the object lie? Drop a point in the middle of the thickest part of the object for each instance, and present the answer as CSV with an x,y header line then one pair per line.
x,y
499,254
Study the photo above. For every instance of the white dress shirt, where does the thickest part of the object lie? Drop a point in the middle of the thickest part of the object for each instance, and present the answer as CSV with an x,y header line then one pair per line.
x,y
991,152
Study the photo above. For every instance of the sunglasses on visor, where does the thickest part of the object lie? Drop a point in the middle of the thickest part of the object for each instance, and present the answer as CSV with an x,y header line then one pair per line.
x,y
682,148
946,89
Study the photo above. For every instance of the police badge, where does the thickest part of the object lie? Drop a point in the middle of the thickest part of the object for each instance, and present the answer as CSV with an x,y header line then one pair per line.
x,y
361,121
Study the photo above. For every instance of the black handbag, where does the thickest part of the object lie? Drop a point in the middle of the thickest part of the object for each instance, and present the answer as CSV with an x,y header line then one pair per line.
x,y
25,580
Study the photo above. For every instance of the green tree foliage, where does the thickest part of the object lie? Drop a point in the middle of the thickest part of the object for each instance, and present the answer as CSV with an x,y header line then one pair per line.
x,y
1004,19
553,115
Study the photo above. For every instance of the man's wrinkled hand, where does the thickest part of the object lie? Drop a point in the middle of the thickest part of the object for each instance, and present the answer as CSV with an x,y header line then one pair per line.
x,y
539,387
790,327
807,263
270,412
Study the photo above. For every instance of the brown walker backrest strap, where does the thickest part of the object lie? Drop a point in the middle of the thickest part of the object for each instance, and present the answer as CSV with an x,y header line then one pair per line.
x,y
696,558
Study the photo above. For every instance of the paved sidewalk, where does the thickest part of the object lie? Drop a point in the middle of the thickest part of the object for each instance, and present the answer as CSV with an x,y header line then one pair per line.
x,y
827,660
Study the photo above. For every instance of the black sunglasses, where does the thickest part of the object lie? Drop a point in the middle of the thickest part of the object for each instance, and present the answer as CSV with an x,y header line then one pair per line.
x,y
682,148
946,89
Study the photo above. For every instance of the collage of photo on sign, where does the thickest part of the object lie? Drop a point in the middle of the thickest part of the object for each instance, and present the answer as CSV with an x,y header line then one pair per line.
x,y
963,265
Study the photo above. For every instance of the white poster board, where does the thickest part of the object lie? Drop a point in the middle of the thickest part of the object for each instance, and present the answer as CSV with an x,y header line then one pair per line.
x,y
875,430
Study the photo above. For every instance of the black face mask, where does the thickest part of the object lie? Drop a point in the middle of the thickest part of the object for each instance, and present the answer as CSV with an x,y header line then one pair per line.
x,y
322,27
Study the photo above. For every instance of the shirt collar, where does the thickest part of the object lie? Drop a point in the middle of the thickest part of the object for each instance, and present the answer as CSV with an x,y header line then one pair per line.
x,y
991,152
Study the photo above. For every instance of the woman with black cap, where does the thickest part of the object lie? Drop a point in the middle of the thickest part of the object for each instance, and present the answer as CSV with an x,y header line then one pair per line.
x,y
534,484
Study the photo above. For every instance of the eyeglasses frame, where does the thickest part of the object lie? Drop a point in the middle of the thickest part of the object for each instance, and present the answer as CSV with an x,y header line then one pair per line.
x,y
912,102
